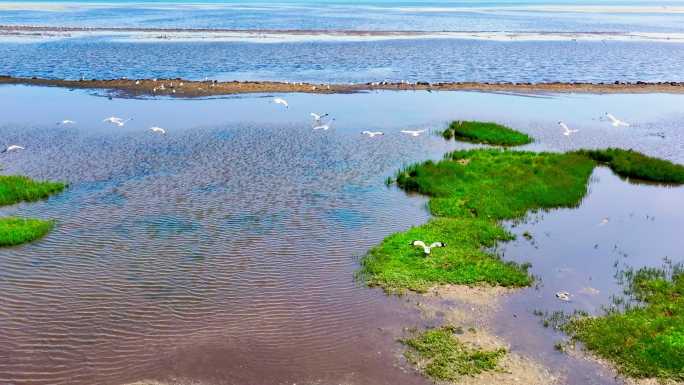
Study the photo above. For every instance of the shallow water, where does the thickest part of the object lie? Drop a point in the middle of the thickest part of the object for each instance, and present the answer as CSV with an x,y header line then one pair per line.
x,y
225,251
507,41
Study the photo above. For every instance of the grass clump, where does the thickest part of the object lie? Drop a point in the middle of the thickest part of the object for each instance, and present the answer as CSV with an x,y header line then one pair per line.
x,y
633,164
485,132
15,189
395,265
15,231
645,340
443,357
471,192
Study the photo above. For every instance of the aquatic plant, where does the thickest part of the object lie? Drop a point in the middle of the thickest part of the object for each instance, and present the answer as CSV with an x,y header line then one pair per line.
x,y
485,132
15,231
443,357
646,339
633,164
15,189
471,192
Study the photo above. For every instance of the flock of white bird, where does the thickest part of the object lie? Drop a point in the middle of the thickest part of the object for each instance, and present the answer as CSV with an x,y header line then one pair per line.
x,y
615,122
317,124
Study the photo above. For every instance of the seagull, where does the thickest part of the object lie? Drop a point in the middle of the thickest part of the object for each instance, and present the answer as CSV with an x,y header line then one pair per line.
x,y
13,147
372,134
158,129
66,121
412,133
566,130
604,221
426,248
563,296
615,121
323,127
281,101
316,117
116,121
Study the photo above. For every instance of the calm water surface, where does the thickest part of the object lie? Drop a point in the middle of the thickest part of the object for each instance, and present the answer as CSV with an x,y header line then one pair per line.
x,y
224,252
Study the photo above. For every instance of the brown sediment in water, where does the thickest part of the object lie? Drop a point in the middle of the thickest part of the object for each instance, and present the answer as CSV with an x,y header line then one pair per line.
x,y
193,88
471,309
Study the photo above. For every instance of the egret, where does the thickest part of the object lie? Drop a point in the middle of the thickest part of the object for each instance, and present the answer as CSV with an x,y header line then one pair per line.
x,y
426,248
281,101
13,147
566,130
412,132
615,121
372,134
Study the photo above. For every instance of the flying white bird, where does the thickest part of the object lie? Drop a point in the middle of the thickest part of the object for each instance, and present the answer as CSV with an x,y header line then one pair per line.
x,y
66,121
13,147
116,121
372,134
158,129
323,127
615,121
316,117
412,133
426,248
566,130
281,101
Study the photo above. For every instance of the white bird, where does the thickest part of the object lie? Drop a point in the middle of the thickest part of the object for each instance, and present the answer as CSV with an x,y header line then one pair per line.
x,y
426,248
66,121
116,121
316,117
566,130
563,296
615,121
158,129
13,147
281,101
323,127
604,221
412,133
372,134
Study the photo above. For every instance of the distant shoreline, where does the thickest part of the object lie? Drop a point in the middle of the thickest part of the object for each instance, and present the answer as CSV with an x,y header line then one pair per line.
x,y
194,88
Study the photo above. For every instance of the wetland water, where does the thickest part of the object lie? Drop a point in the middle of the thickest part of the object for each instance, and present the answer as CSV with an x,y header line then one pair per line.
x,y
225,251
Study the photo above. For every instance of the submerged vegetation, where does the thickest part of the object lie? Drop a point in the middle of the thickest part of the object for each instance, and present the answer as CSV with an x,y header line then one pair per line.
x,y
485,132
15,189
440,354
645,340
471,192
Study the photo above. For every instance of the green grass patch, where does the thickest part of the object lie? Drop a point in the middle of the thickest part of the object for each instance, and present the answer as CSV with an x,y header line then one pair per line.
x,y
442,356
633,164
15,231
15,189
485,132
645,340
471,192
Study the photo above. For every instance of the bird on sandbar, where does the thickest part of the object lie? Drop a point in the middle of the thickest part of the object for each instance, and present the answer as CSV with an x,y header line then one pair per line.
x,y
13,147
413,133
281,101
426,248
372,134
566,130
615,121
158,130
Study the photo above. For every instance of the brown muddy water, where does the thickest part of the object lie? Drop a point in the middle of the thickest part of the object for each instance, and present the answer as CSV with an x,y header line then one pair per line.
x,y
224,252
